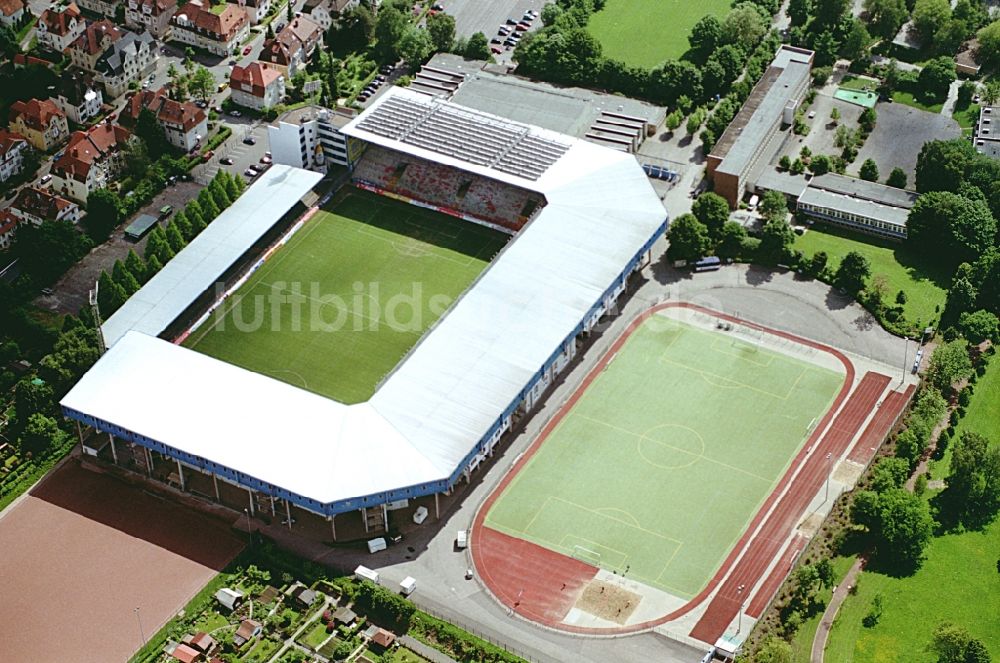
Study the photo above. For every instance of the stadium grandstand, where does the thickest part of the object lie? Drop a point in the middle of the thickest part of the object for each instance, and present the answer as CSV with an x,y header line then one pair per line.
x,y
585,219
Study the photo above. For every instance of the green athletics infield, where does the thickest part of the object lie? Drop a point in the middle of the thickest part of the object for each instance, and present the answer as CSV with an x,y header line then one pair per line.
x,y
335,309
663,461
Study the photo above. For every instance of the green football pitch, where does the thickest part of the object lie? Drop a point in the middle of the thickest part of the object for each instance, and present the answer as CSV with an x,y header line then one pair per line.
x,y
336,308
667,455
644,33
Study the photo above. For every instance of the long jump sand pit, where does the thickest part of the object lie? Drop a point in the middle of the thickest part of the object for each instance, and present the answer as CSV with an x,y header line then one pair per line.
x,y
83,551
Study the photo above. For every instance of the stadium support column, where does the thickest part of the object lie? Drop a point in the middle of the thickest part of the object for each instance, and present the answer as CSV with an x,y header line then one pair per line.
x,y
288,512
437,507
333,526
79,432
147,456
180,473
250,493
364,517
114,453
215,483
385,517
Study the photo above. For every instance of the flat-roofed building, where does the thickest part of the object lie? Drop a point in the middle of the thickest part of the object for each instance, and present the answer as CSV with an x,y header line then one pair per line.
x,y
857,204
755,135
310,138
987,139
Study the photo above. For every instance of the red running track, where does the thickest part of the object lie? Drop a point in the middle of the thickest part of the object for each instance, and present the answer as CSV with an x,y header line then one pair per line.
x,y
779,525
498,571
539,583
880,425
763,596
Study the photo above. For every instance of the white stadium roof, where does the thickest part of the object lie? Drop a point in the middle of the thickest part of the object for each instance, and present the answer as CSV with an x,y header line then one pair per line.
x,y
453,386
198,266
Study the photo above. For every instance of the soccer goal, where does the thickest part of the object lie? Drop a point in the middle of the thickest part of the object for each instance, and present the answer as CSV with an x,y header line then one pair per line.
x,y
587,555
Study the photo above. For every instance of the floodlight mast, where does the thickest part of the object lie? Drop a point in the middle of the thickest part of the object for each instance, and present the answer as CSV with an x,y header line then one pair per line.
x,y
96,310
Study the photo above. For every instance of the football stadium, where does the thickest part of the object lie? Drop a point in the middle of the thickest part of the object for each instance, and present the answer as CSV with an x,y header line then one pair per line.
x,y
263,368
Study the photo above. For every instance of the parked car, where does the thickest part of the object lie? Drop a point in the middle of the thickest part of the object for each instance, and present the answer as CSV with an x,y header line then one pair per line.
x,y
249,140
201,103
246,51
363,97
265,159
386,69
437,6
511,21
521,27
496,40
208,156
250,172
45,179
234,113
267,154
47,291
380,78
496,50
226,161
503,31
528,17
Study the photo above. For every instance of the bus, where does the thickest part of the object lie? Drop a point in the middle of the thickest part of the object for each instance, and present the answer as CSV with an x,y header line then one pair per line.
x,y
707,264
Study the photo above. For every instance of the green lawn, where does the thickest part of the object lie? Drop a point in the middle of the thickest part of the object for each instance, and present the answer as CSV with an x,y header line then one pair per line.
x,y
957,582
647,32
925,287
803,638
209,621
668,454
262,651
966,118
982,416
316,635
906,97
336,308
852,82
403,655
328,649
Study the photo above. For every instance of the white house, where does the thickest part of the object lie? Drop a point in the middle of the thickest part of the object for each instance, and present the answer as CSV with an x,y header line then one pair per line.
x,y
11,13
12,147
126,60
258,85
78,98
59,26
152,15
325,12
33,205
220,34
184,124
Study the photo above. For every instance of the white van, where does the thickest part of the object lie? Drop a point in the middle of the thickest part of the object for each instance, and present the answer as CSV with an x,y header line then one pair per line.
x,y
376,545
462,539
364,573
408,585
420,515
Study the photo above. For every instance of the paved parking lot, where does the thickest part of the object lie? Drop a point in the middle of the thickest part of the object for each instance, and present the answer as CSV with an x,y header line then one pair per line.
x,y
242,154
899,134
472,16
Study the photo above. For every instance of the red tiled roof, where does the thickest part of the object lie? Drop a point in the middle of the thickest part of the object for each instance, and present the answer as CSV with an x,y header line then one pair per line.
x,y
35,113
222,25
8,139
11,7
93,40
301,33
202,641
32,201
87,147
258,74
8,221
21,60
383,638
56,19
185,654
166,110
157,7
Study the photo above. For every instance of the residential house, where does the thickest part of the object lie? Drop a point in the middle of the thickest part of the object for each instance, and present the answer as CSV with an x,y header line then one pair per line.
x,y
59,26
198,25
105,7
344,616
325,12
248,630
34,205
12,147
125,62
87,49
11,13
257,85
78,97
40,121
380,637
153,15
184,123
292,47
92,160
256,9
8,226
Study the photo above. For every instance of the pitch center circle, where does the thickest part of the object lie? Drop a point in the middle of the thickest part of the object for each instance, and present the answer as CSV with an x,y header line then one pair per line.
x,y
671,446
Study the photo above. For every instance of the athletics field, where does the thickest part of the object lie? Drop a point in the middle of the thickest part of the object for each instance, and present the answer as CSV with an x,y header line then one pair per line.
x,y
335,309
668,454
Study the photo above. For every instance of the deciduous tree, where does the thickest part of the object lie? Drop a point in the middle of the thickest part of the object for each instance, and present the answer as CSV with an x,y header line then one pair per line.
x,y
688,237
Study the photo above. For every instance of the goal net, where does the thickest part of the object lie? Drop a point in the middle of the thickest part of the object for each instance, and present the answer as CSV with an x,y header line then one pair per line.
x,y
587,555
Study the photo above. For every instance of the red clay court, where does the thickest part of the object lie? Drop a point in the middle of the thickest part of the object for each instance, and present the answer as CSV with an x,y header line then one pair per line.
x,y
83,551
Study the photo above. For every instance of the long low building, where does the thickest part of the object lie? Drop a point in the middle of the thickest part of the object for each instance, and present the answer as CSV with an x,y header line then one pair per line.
x,y
448,403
